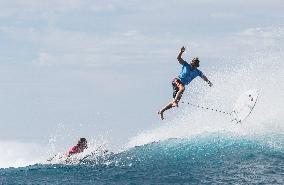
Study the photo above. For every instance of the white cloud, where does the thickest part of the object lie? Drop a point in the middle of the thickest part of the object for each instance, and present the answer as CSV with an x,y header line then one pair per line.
x,y
44,59
52,10
225,15
260,38
58,46
101,6
264,32
131,33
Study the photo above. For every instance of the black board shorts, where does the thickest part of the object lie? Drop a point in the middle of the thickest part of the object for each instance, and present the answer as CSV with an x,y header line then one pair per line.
x,y
175,87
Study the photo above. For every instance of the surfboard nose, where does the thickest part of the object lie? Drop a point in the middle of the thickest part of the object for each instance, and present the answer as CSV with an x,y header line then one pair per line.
x,y
245,104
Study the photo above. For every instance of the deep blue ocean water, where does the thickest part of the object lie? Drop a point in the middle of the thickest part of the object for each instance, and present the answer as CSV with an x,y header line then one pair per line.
x,y
214,159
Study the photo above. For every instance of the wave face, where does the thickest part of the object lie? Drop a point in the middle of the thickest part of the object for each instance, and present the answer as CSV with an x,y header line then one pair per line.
x,y
211,159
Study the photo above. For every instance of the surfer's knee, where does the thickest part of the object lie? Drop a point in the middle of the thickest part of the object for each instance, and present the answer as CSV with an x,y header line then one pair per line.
x,y
180,92
181,87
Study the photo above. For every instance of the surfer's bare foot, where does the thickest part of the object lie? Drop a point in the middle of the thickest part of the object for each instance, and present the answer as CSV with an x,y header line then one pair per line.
x,y
161,115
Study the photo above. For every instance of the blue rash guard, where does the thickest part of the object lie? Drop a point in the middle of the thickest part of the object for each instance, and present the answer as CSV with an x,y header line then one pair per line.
x,y
187,74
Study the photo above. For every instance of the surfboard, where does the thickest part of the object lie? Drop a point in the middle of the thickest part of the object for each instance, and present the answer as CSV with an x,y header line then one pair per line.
x,y
245,105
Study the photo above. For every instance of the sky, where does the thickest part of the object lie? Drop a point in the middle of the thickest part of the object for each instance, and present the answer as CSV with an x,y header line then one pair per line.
x,y
101,69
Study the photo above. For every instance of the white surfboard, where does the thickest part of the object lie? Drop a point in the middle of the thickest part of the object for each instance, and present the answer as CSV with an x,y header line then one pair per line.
x,y
245,105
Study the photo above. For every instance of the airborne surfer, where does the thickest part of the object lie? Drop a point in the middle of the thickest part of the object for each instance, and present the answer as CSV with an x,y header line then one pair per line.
x,y
187,74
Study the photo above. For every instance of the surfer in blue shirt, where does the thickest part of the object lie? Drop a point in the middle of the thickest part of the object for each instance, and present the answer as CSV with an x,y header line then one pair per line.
x,y
187,74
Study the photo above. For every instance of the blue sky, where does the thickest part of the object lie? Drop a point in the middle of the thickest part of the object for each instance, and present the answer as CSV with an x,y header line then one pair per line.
x,y
103,68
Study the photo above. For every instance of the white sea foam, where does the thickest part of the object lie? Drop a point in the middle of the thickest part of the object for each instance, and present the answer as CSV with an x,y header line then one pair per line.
x,y
19,154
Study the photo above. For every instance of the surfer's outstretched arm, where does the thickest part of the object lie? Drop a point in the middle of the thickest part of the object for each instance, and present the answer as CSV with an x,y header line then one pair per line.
x,y
206,80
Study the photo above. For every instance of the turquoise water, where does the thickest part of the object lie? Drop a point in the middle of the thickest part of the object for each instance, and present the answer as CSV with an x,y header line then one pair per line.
x,y
213,159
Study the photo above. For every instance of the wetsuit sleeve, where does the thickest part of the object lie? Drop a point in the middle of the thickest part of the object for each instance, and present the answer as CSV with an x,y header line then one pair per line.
x,y
200,73
73,150
185,63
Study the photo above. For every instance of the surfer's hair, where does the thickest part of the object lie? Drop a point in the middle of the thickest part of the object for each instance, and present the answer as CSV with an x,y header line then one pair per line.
x,y
82,140
196,61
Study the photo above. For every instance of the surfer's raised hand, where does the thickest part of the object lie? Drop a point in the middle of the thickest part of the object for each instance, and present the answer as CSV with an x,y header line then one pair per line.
x,y
206,80
182,49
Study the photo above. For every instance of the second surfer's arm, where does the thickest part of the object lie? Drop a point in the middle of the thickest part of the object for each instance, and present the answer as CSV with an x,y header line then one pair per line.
x,y
206,80
180,60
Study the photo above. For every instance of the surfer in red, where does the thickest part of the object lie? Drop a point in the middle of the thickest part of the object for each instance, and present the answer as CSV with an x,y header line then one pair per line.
x,y
80,147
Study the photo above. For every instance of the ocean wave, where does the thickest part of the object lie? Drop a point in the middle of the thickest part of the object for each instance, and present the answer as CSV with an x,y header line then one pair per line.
x,y
203,159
